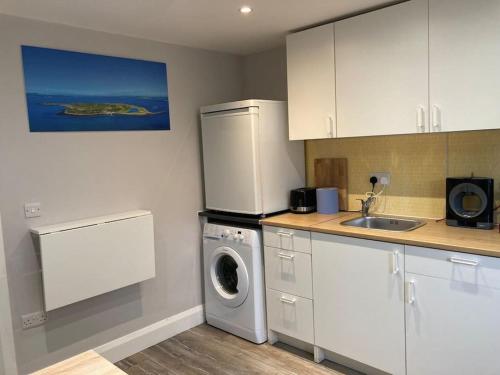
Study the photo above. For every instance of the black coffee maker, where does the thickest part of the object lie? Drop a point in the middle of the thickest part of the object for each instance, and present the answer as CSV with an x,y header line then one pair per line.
x,y
470,202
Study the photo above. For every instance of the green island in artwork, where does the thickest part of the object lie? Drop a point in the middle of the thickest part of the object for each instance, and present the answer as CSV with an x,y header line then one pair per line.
x,y
103,109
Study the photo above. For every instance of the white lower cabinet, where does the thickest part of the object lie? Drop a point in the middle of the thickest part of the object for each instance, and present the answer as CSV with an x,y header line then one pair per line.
x,y
287,257
452,313
287,239
398,309
288,271
359,300
291,315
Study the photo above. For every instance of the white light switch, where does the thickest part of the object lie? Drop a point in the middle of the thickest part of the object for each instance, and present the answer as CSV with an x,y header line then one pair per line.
x,y
32,210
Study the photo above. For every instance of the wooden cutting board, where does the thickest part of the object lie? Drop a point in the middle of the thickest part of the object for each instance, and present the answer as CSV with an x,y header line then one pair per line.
x,y
332,172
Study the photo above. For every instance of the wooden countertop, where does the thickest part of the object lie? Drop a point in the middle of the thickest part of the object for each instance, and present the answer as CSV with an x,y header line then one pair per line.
x,y
87,363
432,234
301,221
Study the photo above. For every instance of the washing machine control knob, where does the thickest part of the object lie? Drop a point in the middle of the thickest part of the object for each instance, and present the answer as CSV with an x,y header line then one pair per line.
x,y
241,237
226,233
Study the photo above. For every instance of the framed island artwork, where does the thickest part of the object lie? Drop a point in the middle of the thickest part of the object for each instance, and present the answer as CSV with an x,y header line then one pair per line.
x,y
73,91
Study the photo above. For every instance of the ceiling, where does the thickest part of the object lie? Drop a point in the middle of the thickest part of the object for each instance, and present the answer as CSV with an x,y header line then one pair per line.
x,y
209,24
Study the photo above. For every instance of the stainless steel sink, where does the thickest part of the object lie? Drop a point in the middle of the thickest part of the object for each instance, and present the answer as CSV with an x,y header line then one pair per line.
x,y
394,224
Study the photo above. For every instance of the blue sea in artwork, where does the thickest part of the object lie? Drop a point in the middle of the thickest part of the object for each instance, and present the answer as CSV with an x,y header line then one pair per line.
x,y
74,91
46,117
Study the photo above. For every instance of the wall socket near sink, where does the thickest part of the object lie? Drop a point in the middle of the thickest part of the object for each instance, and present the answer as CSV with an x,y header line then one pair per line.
x,y
34,319
384,178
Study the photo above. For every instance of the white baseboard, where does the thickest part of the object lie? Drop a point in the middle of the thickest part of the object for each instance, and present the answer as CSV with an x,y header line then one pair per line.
x,y
143,338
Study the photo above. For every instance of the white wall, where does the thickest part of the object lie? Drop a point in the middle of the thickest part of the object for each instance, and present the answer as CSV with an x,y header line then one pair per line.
x,y
77,175
7,353
265,75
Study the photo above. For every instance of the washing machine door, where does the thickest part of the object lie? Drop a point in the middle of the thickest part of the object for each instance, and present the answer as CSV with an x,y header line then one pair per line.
x,y
229,276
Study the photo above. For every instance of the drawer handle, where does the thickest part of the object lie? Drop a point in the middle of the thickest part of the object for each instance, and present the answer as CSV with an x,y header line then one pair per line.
x,y
467,262
410,292
290,301
286,256
286,234
395,262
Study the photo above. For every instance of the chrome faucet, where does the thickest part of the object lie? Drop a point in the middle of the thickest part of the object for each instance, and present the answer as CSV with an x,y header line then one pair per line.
x,y
366,205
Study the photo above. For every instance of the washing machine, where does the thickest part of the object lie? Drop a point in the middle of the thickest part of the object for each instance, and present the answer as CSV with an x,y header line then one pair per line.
x,y
234,281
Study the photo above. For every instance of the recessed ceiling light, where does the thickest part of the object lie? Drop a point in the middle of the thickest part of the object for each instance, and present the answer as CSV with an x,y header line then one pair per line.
x,y
245,9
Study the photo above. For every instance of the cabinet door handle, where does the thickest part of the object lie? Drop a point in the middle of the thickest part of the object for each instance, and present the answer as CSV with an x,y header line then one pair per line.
x,y
286,234
436,118
467,262
395,262
290,301
420,120
410,292
286,256
329,126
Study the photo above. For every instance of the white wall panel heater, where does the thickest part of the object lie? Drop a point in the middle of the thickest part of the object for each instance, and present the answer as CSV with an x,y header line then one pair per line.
x,y
86,258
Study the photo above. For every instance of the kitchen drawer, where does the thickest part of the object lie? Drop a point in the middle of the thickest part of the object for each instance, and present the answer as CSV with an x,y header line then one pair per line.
x,y
287,239
291,315
454,266
288,271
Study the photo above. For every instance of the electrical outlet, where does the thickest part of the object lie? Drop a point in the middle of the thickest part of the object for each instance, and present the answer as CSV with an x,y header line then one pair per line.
x,y
384,178
34,319
32,210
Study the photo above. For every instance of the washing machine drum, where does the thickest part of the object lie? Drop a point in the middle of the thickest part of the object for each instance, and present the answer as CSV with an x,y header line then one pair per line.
x,y
229,276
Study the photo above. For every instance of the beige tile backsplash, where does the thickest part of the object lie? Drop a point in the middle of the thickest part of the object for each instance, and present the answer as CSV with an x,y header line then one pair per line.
x,y
418,165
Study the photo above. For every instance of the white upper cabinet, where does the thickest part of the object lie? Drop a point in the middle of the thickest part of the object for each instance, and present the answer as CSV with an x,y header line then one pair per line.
x,y
464,39
415,67
381,61
311,83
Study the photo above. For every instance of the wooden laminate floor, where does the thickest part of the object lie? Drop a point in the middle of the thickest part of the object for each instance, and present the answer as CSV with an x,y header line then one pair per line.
x,y
207,350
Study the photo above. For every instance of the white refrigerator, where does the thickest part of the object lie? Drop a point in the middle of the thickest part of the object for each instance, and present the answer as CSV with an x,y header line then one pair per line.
x,y
250,166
